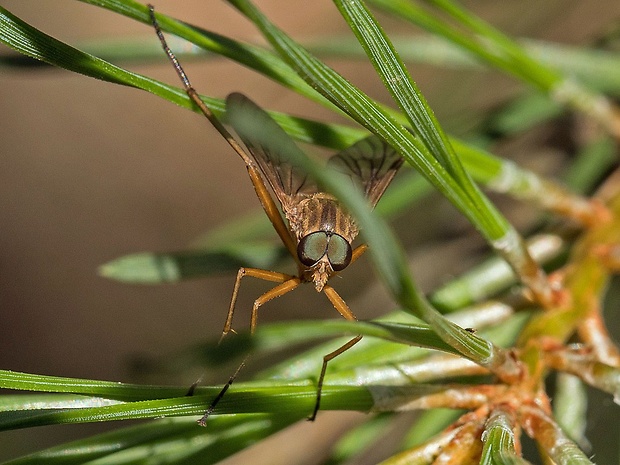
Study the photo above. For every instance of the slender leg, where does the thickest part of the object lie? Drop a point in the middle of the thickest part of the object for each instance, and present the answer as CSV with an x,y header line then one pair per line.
x,y
209,411
272,211
346,312
290,282
357,252
266,275
259,185
326,359
284,288
287,284
339,304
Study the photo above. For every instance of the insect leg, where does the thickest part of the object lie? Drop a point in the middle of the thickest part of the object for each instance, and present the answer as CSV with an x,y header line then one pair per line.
x,y
209,411
284,288
358,252
261,190
272,211
346,312
287,284
273,293
191,92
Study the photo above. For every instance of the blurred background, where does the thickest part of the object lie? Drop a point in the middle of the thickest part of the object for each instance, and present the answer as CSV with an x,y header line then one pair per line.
x,y
90,171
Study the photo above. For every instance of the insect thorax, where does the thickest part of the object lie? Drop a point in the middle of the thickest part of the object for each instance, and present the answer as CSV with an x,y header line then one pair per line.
x,y
321,212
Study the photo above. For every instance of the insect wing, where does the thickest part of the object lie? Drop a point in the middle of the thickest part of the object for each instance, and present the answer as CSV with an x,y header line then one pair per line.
x,y
253,125
371,163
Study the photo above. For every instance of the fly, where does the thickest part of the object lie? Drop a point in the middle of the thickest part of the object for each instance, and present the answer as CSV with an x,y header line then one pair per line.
x,y
316,230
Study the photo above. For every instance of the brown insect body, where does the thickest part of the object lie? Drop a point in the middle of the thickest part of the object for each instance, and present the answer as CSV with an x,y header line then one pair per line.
x,y
319,231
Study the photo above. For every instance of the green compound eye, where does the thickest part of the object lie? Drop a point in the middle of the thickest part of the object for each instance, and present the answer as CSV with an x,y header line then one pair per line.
x,y
338,252
312,247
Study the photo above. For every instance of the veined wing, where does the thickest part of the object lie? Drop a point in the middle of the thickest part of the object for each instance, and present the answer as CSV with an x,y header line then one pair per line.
x,y
370,162
286,180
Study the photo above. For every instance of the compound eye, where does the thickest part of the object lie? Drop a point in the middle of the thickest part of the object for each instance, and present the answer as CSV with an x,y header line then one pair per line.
x,y
312,247
338,252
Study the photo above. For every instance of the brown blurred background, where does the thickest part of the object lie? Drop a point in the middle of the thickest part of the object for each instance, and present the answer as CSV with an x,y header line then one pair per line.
x,y
90,171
